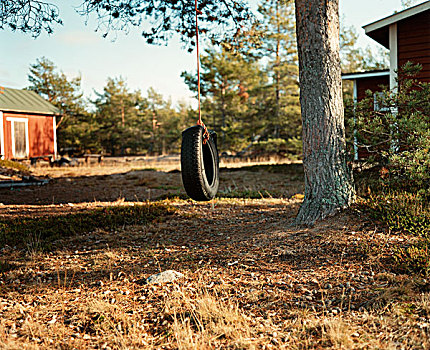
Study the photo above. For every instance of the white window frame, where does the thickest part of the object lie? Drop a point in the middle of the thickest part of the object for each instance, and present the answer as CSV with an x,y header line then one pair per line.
x,y
355,97
12,121
2,150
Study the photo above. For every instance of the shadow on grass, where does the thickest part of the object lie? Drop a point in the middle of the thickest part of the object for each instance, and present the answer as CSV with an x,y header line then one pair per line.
x,y
228,237
137,187
290,169
90,188
25,230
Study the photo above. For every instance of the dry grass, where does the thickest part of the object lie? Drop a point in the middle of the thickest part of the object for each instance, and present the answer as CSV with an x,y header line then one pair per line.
x,y
252,281
257,296
189,315
117,165
203,320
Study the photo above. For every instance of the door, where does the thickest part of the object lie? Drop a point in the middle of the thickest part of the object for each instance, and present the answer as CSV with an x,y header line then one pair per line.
x,y
20,138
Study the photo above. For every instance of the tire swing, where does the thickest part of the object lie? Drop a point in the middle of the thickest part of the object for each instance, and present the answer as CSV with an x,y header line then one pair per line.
x,y
199,152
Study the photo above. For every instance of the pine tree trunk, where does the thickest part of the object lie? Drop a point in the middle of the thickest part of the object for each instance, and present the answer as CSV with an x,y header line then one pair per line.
x,y
328,179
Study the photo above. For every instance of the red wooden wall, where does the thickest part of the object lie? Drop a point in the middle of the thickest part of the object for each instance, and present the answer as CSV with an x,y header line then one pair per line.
x,y
371,83
413,42
40,134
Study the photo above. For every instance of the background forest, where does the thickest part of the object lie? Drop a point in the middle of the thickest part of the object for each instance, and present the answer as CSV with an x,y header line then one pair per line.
x,y
250,96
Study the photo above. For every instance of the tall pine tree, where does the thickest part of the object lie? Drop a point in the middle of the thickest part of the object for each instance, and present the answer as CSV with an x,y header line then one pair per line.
x,y
65,94
229,82
117,117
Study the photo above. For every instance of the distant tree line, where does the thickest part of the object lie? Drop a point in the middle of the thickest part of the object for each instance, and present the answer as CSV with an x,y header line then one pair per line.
x,y
117,121
249,87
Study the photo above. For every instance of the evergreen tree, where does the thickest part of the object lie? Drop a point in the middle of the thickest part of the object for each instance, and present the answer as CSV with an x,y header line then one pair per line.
x,y
165,17
125,122
354,58
166,124
65,94
278,47
118,118
408,3
229,83
398,141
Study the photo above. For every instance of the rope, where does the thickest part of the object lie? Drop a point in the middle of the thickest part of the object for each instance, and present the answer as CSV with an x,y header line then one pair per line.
x,y
198,61
199,122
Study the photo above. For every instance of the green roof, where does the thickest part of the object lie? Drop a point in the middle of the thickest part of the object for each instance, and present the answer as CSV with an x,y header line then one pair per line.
x,y
14,100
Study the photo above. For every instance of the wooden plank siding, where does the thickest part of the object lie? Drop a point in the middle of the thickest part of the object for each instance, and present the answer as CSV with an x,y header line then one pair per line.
x,y
413,43
40,134
372,83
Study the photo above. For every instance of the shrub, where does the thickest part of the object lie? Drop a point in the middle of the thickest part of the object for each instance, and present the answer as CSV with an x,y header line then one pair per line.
x,y
401,212
398,136
414,258
398,139
407,213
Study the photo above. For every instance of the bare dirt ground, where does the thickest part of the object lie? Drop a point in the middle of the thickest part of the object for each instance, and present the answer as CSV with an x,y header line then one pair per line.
x,y
252,281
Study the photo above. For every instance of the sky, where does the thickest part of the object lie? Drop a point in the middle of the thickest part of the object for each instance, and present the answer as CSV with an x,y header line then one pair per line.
x,y
76,49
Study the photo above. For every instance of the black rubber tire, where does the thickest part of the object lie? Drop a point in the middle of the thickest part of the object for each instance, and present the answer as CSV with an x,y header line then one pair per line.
x,y
199,164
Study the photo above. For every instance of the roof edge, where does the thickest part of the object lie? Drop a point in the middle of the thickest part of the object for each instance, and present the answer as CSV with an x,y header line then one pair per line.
x,y
369,74
29,112
396,17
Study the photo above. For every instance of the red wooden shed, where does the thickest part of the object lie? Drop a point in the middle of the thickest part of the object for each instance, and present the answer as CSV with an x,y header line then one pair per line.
x,y
27,125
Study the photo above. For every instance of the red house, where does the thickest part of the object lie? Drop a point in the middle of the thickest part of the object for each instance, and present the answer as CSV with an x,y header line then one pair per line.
x,y
27,125
407,35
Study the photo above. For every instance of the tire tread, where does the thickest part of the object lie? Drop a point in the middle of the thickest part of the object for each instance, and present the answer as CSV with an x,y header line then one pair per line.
x,y
191,164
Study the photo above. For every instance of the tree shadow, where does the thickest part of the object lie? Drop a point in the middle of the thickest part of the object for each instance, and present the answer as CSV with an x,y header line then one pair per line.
x,y
238,238
143,185
131,186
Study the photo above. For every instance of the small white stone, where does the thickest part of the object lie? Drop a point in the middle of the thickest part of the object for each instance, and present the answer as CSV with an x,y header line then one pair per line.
x,y
165,276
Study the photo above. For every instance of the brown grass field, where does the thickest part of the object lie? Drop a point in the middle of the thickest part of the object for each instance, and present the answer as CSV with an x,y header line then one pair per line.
x,y
252,280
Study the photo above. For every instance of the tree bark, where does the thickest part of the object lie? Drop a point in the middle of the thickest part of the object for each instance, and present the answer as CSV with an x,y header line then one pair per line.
x,y
328,179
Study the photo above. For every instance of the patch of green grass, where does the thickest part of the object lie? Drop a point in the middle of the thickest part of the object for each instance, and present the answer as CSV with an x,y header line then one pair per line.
x,y
10,164
166,188
19,231
144,169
